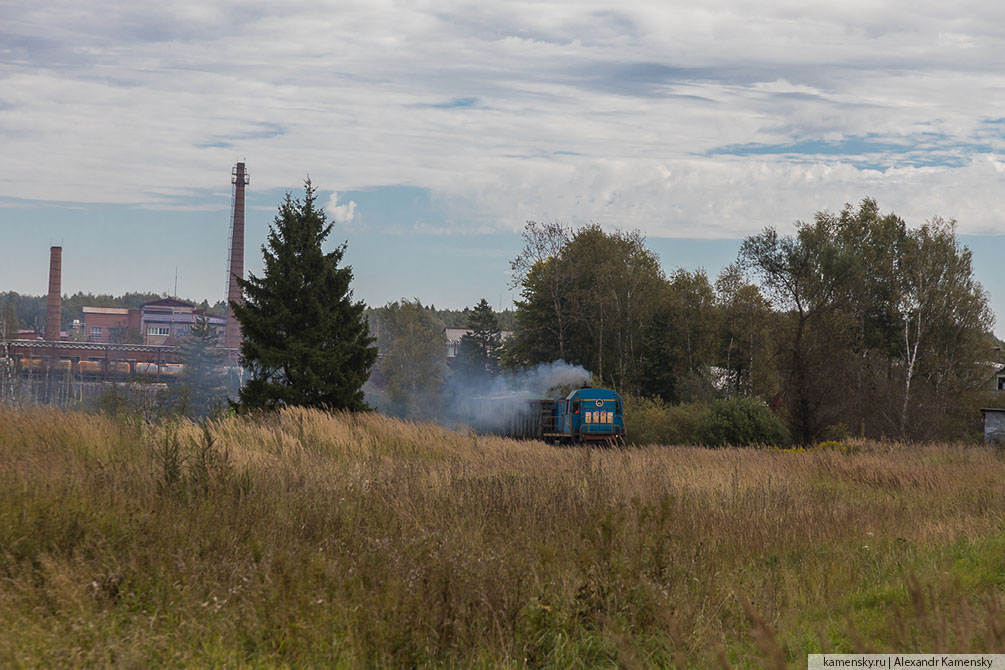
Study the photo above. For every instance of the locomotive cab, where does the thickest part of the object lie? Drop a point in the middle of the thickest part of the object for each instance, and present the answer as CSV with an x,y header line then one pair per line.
x,y
585,416
592,415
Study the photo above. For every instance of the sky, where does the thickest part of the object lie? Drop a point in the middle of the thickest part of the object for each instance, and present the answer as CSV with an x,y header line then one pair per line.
x,y
435,130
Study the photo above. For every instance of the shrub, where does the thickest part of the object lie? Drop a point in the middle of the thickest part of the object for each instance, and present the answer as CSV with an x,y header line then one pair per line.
x,y
684,419
739,422
652,421
839,446
646,420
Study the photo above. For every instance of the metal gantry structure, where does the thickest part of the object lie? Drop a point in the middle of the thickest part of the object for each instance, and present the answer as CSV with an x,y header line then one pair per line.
x,y
65,373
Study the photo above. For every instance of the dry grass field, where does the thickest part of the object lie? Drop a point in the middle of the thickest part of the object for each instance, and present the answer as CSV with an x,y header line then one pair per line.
x,y
313,540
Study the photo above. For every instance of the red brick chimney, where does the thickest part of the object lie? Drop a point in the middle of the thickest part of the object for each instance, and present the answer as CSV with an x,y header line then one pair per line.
x,y
240,179
54,306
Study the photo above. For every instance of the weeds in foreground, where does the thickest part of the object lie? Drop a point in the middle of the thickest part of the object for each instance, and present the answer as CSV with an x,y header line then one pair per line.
x,y
191,469
307,539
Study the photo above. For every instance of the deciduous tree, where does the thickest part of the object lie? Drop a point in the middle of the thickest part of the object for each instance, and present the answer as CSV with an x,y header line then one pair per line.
x,y
9,323
681,339
944,316
745,340
884,327
415,361
588,303
807,276
545,281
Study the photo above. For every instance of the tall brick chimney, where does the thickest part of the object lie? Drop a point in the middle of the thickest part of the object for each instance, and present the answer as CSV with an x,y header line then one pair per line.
x,y
239,178
54,306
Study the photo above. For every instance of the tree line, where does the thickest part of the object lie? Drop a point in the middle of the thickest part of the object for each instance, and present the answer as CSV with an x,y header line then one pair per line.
x,y
856,323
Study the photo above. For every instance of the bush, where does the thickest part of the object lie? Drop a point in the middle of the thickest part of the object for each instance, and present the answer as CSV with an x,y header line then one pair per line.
x,y
684,419
739,422
646,420
652,421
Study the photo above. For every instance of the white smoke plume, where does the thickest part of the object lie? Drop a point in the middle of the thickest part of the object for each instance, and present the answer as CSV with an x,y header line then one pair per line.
x,y
544,379
493,404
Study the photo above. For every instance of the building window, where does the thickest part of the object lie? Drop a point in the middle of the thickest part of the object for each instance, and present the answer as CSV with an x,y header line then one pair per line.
x,y
95,331
158,330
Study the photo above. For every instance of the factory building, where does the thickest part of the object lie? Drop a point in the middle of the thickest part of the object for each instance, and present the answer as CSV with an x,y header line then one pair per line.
x,y
158,323
166,321
109,324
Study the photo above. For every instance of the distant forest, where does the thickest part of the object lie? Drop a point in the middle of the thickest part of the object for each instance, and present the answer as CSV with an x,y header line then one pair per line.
x,y
856,324
28,311
451,318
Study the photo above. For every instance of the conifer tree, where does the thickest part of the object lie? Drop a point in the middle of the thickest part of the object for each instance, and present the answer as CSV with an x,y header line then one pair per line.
x,y
479,350
305,342
201,386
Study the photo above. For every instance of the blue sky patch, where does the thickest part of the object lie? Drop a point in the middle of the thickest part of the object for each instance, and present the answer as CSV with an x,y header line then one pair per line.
x,y
393,209
925,150
455,103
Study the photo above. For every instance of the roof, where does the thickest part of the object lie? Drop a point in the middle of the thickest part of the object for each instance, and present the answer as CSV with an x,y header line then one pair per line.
x,y
184,317
200,313
593,393
455,334
167,302
105,310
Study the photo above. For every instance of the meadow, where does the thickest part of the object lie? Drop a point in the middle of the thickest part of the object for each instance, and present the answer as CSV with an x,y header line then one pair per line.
x,y
305,539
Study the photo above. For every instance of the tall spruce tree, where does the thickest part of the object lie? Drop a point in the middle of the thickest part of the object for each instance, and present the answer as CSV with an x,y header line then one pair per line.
x,y
479,351
201,388
305,342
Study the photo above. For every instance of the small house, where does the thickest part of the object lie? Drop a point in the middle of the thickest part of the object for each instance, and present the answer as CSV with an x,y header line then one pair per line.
x,y
994,425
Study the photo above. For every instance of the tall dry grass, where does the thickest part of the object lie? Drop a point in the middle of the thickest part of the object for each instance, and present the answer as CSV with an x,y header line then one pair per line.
x,y
309,539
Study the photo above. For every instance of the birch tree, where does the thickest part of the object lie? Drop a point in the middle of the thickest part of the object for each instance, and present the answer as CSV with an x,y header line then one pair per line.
x,y
543,277
942,308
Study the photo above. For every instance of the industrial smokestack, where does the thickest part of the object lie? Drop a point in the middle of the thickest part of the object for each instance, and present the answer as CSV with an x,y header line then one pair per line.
x,y
54,306
240,178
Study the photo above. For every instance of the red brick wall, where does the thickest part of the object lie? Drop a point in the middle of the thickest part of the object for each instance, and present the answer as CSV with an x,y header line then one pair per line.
x,y
104,321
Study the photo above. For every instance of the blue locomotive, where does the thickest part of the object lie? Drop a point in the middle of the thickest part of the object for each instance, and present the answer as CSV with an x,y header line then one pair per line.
x,y
585,416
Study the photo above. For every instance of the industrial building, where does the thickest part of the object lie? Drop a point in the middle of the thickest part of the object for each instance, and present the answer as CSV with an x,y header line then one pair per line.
x,y
109,324
160,322
116,343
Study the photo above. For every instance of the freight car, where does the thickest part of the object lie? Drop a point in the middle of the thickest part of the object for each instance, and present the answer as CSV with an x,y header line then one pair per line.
x,y
585,416
96,369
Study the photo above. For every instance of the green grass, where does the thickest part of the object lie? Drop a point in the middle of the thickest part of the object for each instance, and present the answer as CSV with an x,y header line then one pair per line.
x,y
312,540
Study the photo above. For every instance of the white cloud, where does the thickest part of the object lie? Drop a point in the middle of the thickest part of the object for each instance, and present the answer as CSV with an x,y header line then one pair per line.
x,y
616,113
343,214
726,197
